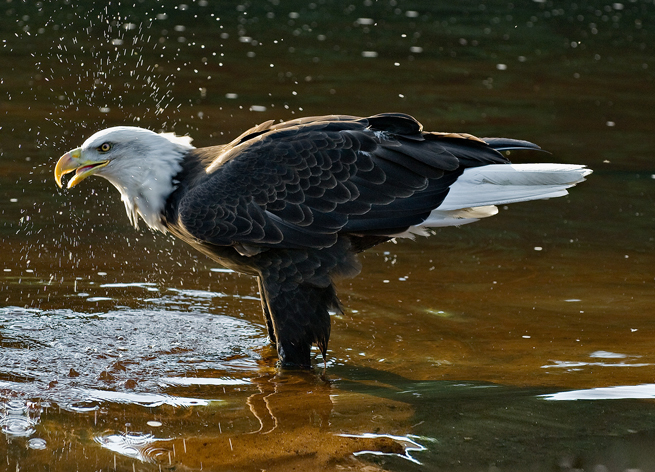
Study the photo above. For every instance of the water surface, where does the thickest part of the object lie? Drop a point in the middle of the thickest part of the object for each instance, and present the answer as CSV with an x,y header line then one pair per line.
x,y
522,342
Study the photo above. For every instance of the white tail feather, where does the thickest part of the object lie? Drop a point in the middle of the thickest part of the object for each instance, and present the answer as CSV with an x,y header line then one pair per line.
x,y
500,184
476,192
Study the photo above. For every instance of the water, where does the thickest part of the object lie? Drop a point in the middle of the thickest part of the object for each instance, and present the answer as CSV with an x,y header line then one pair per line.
x,y
522,342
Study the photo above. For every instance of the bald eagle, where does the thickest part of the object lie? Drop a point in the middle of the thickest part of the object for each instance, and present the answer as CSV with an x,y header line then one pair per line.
x,y
292,203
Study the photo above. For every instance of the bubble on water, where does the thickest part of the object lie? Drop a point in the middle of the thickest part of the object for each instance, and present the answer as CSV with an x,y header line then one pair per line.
x,y
37,444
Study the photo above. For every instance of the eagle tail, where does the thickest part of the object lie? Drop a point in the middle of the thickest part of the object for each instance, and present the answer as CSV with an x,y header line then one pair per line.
x,y
478,190
500,184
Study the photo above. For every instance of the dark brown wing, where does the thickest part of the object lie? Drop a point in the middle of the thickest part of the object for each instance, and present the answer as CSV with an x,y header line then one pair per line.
x,y
300,183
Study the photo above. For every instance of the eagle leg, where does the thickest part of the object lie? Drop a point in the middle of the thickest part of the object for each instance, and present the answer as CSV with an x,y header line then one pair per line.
x,y
300,317
267,314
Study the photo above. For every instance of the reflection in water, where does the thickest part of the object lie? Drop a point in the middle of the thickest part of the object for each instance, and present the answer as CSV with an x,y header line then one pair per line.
x,y
407,443
622,392
615,359
573,365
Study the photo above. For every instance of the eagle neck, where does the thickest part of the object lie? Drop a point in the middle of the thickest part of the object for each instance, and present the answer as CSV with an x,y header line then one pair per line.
x,y
191,170
146,194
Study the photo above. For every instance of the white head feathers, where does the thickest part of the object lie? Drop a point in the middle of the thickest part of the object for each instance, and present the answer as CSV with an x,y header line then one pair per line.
x,y
142,165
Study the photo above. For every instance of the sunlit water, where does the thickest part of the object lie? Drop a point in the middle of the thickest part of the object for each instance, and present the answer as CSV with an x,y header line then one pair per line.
x,y
523,342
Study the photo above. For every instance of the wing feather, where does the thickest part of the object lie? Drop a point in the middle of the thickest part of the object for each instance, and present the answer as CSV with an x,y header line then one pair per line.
x,y
300,183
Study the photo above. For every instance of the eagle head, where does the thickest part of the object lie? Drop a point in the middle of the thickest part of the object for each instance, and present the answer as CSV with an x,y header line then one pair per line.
x,y
140,163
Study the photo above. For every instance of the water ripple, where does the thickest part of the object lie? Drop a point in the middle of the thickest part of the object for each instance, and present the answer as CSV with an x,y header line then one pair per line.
x,y
19,418
136,445
62,353
149,400
188,381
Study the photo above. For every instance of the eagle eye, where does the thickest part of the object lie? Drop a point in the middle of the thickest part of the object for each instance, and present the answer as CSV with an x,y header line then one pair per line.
x,y
104,147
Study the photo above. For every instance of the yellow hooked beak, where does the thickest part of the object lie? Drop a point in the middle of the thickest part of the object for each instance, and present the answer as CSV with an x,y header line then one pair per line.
x,y
73,161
